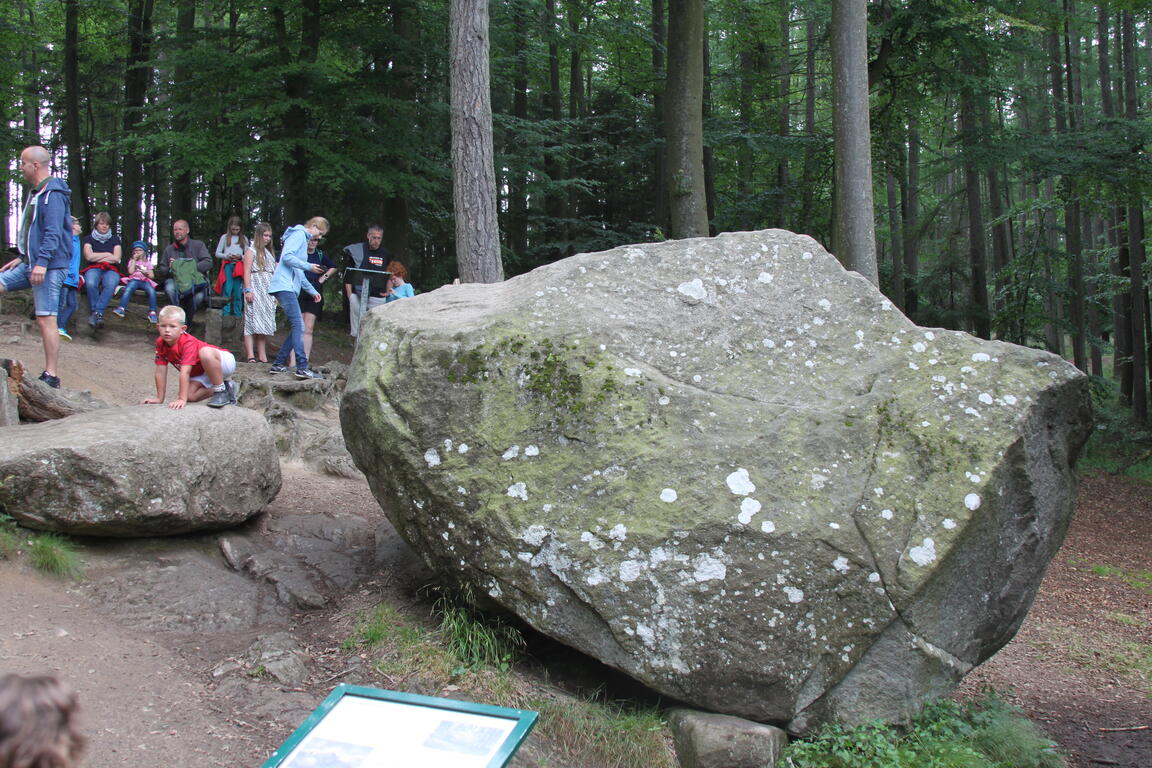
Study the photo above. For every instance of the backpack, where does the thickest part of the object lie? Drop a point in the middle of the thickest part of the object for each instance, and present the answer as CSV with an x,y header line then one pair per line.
x,y
186,275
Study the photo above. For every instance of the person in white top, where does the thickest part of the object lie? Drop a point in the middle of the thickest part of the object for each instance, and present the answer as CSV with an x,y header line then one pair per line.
x,y
229,251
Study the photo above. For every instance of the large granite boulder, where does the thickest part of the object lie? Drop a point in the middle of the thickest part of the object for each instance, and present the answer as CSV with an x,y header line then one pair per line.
x,y
727,467
139,471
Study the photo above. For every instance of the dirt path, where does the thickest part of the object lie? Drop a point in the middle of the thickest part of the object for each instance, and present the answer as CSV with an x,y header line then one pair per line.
x,y
1080,666
142,703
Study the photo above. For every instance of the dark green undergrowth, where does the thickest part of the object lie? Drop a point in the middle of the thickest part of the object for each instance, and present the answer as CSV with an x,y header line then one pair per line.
x,y
985,734
1117,445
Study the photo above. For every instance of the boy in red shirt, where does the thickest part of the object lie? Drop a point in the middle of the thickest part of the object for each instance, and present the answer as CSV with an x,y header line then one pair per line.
x,y
205,370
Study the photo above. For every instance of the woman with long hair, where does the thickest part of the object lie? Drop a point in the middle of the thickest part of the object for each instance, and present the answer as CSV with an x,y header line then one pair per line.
x,y
285,286
230,251
259,306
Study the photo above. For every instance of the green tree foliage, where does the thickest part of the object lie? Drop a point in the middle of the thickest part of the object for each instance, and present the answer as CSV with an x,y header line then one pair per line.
x,y
283,109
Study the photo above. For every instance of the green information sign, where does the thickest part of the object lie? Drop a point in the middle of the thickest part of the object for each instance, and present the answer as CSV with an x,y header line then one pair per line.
x,y
357,727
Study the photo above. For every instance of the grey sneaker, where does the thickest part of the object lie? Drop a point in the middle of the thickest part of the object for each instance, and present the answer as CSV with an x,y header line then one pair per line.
x,y
278,369
220,398
52,381
308,373
233,392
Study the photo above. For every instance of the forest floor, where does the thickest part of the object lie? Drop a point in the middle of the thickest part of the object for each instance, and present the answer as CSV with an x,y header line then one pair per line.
x,y
1080,667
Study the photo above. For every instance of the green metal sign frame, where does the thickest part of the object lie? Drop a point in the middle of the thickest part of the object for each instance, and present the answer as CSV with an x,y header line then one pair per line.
x,y
522,722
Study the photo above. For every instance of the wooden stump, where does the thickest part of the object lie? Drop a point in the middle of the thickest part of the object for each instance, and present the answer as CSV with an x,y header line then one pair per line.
x,y
39,402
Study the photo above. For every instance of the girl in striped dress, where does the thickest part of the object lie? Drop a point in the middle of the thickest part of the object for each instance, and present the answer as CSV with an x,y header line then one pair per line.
x,y
259,305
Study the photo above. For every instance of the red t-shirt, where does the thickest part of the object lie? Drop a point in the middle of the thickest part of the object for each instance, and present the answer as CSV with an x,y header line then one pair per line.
x,y
186,351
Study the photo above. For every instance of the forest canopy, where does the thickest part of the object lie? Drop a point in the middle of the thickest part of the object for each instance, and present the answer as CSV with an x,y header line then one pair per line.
x,y
1007,136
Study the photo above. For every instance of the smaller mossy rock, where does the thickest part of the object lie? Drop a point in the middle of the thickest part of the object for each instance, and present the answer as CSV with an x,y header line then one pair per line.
x,y
139,471
727,467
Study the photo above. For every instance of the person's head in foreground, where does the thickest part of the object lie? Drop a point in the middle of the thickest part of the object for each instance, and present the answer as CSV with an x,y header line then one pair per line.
x,y
38,723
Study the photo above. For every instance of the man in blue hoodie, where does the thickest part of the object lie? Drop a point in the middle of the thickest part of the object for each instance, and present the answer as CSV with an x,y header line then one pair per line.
x,y
45,240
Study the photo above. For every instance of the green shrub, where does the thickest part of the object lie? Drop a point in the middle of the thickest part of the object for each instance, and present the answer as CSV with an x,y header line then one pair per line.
x,y
946,735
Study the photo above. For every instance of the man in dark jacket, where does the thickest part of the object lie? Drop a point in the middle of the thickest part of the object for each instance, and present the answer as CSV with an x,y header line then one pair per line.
x,y
184,268
45,240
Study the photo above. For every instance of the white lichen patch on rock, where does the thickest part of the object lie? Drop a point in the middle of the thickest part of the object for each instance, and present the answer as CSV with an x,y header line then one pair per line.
x,y
739,482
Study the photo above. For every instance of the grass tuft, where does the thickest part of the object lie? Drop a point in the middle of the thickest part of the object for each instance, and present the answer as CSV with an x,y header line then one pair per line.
x,y
54,554
48,552
477,641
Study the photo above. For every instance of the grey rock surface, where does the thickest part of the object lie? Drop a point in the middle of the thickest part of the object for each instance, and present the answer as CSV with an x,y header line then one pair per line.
x,y
305,555
139,471
707,740
727,467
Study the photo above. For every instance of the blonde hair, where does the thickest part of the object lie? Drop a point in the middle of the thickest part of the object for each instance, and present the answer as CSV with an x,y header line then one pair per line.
x,y
174,312
262,253
102,218
320,223
38,723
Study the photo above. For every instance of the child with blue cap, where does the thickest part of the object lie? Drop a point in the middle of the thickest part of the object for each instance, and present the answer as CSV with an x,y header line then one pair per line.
x,y
140,275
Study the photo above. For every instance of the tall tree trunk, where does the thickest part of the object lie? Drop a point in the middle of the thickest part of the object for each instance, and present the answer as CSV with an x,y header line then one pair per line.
x,y
30,98
137,75
182,194
659,74
1135,230
853,210
809,172
684,124
396,217
473,169
784,110
556,198
297,50
911,225
705,116
518,174
76,178
892,189
977,251
1073,236
1118,266
749,63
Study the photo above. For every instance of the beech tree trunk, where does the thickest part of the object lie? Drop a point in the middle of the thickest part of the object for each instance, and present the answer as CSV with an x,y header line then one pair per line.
x,y
853,212
473,171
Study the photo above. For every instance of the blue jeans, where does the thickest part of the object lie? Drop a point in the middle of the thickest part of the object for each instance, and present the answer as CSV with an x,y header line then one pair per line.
x,y
131,286
69,299
100,284
290,302
190,300
46,296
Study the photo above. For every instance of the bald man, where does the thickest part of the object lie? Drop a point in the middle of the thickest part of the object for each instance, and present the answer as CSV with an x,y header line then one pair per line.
x,y
45,240
183,252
